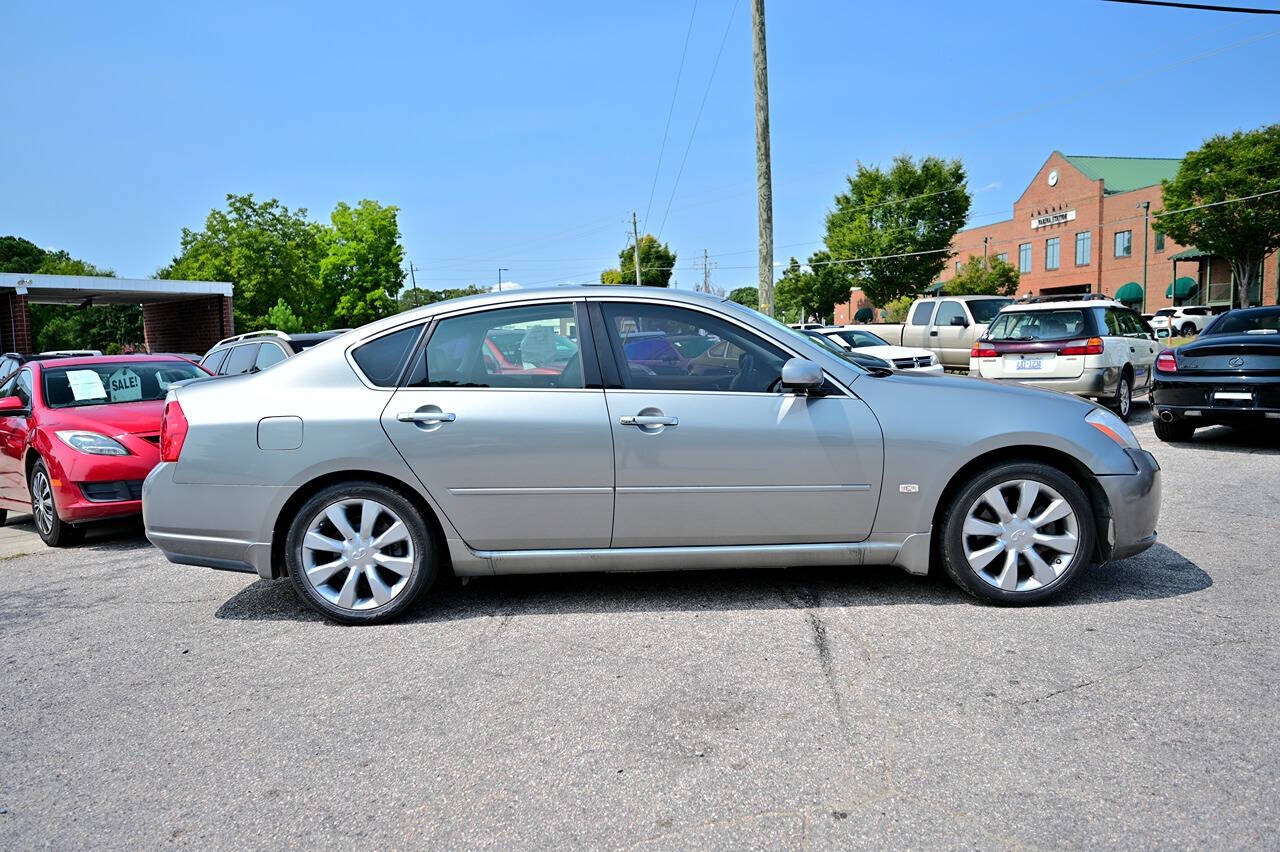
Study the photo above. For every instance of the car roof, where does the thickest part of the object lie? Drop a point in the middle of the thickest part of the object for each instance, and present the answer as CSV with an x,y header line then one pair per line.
x,y
90,360
1053,306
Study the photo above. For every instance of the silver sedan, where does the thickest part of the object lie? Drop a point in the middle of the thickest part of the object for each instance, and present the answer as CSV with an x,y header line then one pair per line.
x,y
624,429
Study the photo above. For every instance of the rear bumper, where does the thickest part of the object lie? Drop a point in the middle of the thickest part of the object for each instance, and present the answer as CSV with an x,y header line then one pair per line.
x,y
1196,399
1135,505
1095,381
215,526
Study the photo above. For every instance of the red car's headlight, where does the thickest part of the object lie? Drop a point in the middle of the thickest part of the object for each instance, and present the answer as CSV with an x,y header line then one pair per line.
x,y
91,442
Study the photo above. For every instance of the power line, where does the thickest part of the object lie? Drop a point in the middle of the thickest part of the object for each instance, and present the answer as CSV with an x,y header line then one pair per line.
x,y
662,149
698,117
1203,7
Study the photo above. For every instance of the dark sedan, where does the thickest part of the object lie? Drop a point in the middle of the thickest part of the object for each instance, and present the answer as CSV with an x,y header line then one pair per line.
x,y
1229,375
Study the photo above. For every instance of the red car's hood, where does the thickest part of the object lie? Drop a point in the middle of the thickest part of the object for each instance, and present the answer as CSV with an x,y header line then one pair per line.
x,y
129,418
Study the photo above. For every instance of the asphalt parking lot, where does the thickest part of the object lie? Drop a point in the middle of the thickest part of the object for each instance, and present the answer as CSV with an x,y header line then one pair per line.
x,y
145,704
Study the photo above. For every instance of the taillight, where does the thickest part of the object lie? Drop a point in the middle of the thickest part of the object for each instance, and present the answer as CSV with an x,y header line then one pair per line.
x,y
1092,346
1166,362
982,350
173,431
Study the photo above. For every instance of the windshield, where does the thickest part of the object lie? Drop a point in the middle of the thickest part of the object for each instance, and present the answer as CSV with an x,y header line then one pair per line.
x,y
1260,321
1038,325
859,338
984,310
1165,312
119,381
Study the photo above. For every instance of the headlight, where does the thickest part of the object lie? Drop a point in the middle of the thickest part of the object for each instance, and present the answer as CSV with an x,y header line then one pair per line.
x,y
91,443
1113,427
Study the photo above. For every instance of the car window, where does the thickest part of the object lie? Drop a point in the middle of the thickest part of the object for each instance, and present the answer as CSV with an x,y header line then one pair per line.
x,y
1132,324
746,363
859,338
1038,325
948,311
382,359
268,354
922,313
985,310
1114,322
529,346
113,382
22,388
214,360
1165,312
241,359
1257,321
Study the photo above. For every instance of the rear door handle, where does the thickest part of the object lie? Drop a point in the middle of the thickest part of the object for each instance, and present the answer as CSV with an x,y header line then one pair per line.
x,y
648,420
426,417
933,334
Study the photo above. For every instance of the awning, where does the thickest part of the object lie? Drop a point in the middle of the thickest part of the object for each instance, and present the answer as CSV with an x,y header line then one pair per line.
x,y
1192,253
864,315
1181,288
935,287
1129,293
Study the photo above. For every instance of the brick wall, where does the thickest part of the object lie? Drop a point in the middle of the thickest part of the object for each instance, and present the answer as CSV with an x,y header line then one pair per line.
x,y
191,325
15,324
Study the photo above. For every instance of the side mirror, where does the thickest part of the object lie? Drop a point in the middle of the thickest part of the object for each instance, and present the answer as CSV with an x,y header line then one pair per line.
x,y
801,374
11,405
960,321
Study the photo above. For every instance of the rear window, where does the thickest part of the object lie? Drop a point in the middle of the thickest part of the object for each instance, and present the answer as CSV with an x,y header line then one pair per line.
x,y
984,310
1265,321
382,359
1039,325
241,359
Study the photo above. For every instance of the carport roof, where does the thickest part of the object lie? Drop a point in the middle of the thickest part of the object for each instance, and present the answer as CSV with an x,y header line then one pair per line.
x,y
75,289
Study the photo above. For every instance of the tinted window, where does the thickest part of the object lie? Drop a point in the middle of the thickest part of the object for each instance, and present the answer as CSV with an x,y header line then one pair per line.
x,y
1039,325
1115,323
241,359
1133,324
214,360
949,311
268,354
1259,321
531,346
382,358
744,362
985,310
922,313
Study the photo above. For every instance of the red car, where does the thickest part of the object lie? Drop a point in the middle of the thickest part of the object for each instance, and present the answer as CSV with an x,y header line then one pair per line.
x,y
78,436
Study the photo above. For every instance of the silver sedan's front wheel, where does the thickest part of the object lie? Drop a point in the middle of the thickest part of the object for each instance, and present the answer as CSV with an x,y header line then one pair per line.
x,y
360,553
1018,533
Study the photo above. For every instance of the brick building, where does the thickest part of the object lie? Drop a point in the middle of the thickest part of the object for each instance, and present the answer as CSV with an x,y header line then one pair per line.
x,y
177,316
1080,227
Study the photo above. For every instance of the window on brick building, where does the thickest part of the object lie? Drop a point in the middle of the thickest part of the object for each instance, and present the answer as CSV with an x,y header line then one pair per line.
x,y
1084,248
1024,257
1159,241
1124,243
1051,253
1003,257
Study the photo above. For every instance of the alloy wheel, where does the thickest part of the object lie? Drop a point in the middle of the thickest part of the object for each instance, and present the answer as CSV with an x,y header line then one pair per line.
x,y
42,502
1020,535
1125,399
357,554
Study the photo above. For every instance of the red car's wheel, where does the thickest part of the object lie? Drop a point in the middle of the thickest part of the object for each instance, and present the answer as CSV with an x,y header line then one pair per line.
x,y
54,531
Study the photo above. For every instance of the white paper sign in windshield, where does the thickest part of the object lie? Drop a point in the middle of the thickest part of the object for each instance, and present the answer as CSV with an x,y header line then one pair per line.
x,y
125,385
86,384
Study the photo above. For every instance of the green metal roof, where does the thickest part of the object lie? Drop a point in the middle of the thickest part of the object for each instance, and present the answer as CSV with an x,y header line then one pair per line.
x,y
1192,253
1129,293
935,287
1181,288
1123,174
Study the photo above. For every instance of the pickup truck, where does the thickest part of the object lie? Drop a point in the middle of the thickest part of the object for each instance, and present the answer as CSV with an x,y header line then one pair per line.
x,y
945,325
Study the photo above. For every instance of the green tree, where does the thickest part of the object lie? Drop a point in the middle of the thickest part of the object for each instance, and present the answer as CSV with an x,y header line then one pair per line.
x,y
896,309
282,318
657,261
416,298
979,277
269,252
361,272
907,216
1222,169
19,255
749,296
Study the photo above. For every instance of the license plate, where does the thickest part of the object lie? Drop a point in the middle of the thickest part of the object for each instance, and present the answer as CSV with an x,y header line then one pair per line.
x,y
1233,395
1030,364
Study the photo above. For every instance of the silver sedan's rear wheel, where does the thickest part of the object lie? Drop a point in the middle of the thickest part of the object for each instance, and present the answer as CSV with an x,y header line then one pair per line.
x,y
360,553
1018,533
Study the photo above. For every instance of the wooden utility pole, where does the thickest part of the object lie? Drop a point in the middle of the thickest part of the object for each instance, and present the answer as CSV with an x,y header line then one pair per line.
x,y
764,174
635,232
706,273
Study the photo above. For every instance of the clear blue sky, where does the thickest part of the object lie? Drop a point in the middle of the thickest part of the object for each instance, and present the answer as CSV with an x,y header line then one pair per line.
x,y
523,134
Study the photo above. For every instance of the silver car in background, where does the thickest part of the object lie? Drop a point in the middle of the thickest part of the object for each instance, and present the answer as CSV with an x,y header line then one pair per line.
x,y
611,429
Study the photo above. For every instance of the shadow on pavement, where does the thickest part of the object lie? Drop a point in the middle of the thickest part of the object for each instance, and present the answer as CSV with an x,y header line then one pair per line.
x,y
1158,573
1260,439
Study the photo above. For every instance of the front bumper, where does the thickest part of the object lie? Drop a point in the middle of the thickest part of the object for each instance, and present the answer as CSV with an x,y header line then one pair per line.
x,y
1095,381
216,526
1135,505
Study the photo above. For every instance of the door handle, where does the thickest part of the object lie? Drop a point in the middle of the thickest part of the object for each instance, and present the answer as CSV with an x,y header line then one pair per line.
x,y
648,420
933,334
426,417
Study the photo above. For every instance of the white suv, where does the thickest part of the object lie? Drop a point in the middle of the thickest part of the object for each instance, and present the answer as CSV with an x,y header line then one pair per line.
x,y
1185,321
1090,347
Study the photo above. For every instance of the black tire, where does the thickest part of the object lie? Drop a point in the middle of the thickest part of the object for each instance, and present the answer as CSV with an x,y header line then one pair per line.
x,y
1176,430
422,575
4,516
1188,329
951,545
52,530
1122,402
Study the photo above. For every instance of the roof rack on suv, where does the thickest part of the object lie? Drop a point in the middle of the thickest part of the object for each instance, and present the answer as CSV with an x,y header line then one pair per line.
x,y
264,333
1067,297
